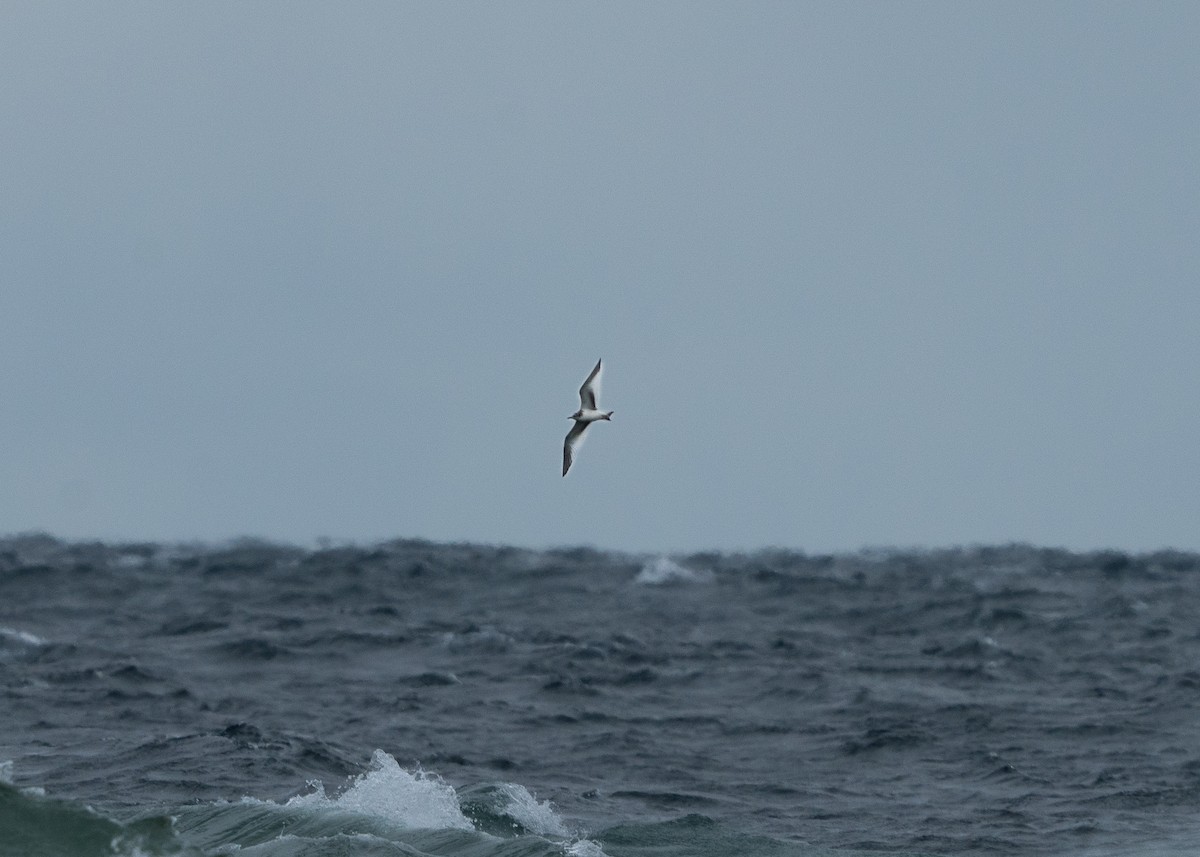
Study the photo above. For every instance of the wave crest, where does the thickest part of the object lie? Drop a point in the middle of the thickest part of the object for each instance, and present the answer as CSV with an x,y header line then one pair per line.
x,y
415,800
662,570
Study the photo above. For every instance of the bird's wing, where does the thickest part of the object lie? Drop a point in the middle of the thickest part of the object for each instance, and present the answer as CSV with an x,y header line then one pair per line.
x,y
590,389
574,438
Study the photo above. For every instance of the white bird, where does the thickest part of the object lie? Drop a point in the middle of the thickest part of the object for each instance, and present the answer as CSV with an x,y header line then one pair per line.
x,y
585,416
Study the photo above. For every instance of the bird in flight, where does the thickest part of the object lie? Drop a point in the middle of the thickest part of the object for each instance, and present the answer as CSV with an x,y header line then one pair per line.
x,y
585,416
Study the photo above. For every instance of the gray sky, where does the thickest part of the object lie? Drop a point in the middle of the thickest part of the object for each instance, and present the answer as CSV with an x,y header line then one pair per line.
x,y
861,274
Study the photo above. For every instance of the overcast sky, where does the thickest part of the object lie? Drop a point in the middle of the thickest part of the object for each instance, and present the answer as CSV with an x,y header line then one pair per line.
x,y
862,274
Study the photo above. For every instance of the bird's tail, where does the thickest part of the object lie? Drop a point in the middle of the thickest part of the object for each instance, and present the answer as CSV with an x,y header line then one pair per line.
x,y
608,416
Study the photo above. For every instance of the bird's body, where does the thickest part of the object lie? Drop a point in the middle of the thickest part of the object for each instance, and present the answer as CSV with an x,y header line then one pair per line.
x,y
587,414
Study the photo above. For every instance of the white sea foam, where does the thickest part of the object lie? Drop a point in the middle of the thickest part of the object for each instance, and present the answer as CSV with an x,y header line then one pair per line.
x,y
24,638
420,801
534,815
539,817
6,772
663,570
424,801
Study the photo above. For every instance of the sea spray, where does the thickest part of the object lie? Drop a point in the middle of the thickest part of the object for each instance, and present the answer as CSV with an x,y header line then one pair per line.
x,y
662,570
416,800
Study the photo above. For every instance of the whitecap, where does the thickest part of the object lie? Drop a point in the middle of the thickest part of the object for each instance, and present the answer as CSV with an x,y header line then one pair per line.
x,y
6,772
421,801
22,637
534,815
663,570
424,801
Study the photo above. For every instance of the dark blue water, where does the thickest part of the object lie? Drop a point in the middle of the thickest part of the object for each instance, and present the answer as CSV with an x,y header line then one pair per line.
x,y
412,698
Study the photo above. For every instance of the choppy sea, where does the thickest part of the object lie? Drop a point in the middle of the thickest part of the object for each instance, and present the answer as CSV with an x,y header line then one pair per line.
x,y
412,698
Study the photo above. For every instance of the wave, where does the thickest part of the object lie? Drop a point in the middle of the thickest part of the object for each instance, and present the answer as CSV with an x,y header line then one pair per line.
x,y
17,637
663,570
419,800
34,825
389,810
386,811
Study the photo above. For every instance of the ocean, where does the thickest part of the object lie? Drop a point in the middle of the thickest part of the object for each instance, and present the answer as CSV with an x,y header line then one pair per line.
x,y
413,698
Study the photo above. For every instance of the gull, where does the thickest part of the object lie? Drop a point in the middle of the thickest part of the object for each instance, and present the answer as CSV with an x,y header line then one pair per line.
x,y
585,416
